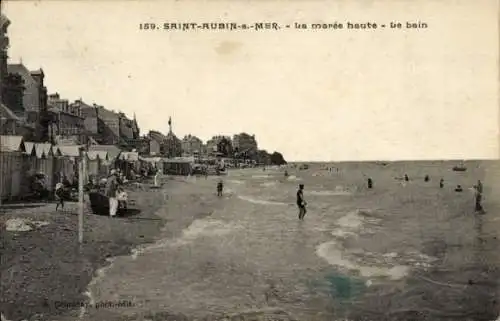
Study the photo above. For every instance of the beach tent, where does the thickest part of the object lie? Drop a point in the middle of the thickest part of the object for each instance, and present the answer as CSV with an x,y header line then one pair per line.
x,y
30,149
9,143
12,149
178,166
97,163
67,161
43,162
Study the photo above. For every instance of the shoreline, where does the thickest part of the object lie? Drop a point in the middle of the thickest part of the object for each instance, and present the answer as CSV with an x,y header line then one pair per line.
x,y
43,280
188,202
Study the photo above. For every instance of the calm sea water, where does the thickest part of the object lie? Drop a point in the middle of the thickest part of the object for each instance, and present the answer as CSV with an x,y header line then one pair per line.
x,y
400,251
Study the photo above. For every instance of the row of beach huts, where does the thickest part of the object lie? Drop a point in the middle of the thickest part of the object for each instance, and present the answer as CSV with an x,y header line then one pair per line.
x,y
20,161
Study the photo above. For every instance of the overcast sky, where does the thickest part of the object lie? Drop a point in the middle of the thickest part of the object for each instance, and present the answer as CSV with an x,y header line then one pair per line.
x,y
312,95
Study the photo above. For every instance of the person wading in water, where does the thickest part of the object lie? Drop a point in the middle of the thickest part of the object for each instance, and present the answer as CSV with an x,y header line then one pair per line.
x,y
301,203
479,197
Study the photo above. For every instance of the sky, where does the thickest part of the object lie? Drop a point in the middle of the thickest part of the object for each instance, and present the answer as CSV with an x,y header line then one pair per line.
x,y
317,95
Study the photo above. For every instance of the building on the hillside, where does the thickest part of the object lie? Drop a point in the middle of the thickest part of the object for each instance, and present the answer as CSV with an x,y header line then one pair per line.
x,y
168,146
108,126
89,114
143,145
191,145
67,123
212,146
245,144
129,132
34,98
156,140
9,121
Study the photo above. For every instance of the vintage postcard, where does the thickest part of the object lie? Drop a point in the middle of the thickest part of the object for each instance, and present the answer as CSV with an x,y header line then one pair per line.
x,y
249,160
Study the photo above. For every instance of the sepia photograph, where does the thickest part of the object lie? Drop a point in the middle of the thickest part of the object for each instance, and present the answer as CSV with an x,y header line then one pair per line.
x,y
165,160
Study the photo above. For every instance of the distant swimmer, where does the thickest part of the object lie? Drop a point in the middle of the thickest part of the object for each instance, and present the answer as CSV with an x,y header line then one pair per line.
x,y
301,203
286,173
441,183
458,188
370,183
220,188
407,179
426,178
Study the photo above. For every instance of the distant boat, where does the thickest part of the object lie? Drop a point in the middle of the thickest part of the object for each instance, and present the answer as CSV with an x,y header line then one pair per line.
x,y
460,168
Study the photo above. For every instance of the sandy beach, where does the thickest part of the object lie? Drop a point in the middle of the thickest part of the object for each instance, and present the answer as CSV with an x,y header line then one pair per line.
x,y
401,251
45,267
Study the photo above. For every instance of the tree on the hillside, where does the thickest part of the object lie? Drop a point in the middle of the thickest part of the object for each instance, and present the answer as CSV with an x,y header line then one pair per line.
x,y
277,159
263,157
225,147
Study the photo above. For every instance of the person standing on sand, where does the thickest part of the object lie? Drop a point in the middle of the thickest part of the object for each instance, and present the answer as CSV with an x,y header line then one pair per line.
x,y
157,175
220,188
301,203
111,193
59,193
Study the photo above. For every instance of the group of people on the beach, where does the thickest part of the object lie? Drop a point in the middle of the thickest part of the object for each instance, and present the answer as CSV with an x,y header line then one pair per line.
x,y
113,190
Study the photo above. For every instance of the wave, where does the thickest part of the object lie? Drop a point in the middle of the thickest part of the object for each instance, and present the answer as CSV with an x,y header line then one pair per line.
x,y
339,191
349,225
331,252
269,184
261,202
100,274
294,178
351,220
260,176
236,181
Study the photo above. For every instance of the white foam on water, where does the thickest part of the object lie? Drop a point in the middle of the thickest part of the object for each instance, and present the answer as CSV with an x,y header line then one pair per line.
x,y
206,227
269,184
342,234
101,273
330,252
330,193
236,181
294,178
351,220
260,176
261,202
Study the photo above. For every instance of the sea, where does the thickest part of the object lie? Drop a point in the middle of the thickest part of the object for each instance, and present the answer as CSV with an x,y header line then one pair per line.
x,y
402,250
